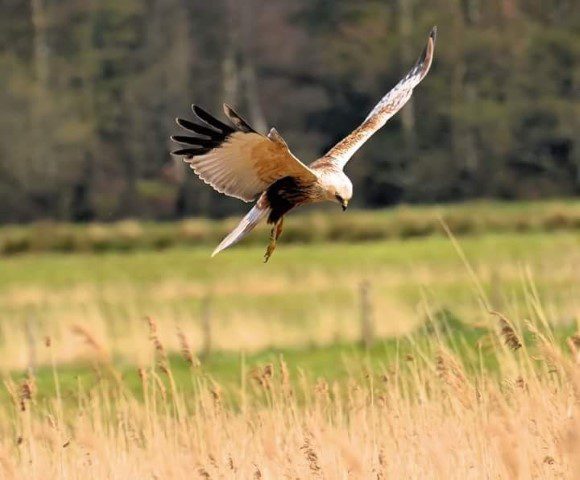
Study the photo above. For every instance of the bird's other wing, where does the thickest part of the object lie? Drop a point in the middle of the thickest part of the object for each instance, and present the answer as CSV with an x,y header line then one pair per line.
x,y
389,105
236,160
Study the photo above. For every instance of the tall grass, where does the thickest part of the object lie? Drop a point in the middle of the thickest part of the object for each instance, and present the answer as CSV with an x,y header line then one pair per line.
x,y
431,413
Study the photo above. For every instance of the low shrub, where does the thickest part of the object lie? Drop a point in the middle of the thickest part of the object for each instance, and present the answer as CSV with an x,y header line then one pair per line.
x,y
355,226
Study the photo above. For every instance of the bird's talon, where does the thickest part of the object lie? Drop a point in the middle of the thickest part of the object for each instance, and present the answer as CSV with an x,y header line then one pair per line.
x,y
274,235
269,250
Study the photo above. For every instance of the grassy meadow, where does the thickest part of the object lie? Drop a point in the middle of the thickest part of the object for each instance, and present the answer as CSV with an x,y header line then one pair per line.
x,y
164,363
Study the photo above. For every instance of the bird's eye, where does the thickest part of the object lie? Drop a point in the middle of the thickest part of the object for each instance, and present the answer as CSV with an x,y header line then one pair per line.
x,y
338,197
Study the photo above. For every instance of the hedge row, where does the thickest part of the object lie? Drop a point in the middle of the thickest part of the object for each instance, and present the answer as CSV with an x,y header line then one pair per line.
x,y
355,226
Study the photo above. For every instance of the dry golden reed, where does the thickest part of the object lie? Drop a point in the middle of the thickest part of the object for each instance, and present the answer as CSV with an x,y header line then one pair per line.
x,y
311,455
90,340
186,351
574,346
160,353
257,473
285,383
263,375
27,391
508,332
524,432
451,372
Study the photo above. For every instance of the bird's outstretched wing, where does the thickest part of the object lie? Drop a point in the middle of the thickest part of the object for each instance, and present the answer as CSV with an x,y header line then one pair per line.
x,y
389,105
237,161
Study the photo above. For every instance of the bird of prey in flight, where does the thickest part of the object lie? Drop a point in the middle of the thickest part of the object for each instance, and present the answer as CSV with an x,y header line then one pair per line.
x,y
240,162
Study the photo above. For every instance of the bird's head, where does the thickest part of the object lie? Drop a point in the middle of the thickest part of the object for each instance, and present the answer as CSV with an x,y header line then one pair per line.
x,y
342,192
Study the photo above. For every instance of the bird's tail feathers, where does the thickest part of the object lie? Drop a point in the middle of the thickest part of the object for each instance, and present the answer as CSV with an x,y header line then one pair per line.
x,y
246,225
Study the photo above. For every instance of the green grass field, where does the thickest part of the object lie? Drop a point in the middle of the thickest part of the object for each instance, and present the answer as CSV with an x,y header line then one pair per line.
x,y
306,296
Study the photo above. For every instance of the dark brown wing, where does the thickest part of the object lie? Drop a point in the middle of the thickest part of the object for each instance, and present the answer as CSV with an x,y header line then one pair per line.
x,y
237,161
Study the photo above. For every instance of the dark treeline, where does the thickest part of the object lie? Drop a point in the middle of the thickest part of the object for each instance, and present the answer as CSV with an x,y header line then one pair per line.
x,y
89,90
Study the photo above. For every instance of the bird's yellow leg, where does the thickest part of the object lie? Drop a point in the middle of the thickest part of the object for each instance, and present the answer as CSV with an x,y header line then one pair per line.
x,y
274,235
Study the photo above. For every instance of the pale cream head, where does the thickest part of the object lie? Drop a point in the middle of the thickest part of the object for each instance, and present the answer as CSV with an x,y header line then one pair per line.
x,y
337,187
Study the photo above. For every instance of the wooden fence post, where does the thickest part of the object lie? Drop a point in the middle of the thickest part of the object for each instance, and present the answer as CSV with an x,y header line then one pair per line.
x,y
206,327
366,314
31,341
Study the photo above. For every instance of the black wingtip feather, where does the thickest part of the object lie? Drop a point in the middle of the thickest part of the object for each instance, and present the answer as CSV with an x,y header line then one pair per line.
x,y
433,34
200,129
211,120
216,135
202,142
191,152
237,120
428,50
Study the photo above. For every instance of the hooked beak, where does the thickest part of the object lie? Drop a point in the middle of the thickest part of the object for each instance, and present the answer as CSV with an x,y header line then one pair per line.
x,y
344,204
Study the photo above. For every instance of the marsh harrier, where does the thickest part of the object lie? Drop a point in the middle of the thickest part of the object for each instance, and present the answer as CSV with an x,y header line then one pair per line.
x,y
240,162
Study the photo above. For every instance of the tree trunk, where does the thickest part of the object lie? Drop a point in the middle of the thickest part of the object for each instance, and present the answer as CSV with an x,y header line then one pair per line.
x,y
40,165
82,209
472,11
41,52
257,118
230,70
249,77
464,145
